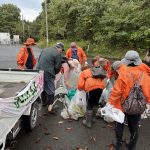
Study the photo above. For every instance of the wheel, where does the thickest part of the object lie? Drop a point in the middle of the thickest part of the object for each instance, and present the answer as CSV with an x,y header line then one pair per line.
x,y
29,122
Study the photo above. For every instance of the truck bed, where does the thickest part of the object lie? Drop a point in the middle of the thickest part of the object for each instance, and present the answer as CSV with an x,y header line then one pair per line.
x,y
9,89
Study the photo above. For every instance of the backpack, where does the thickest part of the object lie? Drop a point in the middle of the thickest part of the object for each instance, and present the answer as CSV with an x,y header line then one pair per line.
x,y
98,72
136,101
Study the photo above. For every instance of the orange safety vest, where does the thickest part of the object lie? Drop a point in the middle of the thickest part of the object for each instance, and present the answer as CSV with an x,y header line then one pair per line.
x,y
87,82
124,84
81,54
23,56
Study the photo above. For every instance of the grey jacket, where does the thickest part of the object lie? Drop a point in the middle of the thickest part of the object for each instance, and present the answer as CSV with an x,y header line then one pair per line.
x,y
50,61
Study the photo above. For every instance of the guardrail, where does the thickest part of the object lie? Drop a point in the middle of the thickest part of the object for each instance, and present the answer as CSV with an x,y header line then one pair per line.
x,y
9,42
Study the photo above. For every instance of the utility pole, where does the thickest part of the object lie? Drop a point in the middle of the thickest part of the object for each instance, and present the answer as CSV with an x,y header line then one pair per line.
x,y
46,22
28,30
22,28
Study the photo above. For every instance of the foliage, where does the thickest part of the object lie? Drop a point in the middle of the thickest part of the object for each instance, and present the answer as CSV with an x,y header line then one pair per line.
x,y
125,23
109,23
9,18
105,24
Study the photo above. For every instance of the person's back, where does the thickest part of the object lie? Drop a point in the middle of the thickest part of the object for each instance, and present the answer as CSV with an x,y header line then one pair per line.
x,y
144,68
125,82
76,52
93,88
88,83
121,97
49,61
25,57
71,71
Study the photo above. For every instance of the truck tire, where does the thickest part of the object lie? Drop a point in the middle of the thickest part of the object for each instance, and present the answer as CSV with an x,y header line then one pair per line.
x,y
29,122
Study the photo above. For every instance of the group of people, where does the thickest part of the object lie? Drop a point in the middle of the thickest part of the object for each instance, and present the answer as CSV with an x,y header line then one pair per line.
x,y
126,73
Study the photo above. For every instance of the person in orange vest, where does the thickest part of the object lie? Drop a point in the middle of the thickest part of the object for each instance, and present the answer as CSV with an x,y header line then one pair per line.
x,y
93,87
119,66
105,64
25,57
116,68
31,40
120,93
76,52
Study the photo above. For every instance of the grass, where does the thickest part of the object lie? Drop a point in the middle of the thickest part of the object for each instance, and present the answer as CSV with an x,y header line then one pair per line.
x,y
93,50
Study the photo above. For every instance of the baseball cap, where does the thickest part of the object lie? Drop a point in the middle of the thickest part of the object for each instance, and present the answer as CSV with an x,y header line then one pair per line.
x,y
60,45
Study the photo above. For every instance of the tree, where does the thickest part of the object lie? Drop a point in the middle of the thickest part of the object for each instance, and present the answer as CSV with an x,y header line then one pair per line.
x,y
124,23
9,18
112,23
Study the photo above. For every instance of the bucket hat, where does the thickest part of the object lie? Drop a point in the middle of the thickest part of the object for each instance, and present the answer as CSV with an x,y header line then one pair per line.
x,y
131,57
115,66
30,41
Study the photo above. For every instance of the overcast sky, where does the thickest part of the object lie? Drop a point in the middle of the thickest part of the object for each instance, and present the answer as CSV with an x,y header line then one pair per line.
x,y
29,8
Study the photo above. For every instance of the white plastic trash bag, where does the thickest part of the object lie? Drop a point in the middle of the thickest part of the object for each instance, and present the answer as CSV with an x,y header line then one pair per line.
x,y
80,98
113,113
106,118
74,110
106,92
64,114
146,113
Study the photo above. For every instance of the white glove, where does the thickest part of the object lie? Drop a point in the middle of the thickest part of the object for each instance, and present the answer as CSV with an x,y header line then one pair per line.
x,y
86,63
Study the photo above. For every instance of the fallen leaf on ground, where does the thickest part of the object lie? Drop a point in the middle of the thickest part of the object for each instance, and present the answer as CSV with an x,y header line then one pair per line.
x,y
78,148
68,129
55,138
46,133
44,128
45,114
109,126
110,146
61,122
92,139
38,140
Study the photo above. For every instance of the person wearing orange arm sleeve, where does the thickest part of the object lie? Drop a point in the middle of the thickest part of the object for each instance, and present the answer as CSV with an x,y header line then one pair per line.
x,y
76,52
121,91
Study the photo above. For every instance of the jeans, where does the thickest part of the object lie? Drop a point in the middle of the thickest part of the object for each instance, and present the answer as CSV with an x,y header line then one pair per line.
x,y
133,125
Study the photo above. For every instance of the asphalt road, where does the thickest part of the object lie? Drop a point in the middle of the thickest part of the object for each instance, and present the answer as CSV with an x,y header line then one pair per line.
x,y
51,135
8,55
